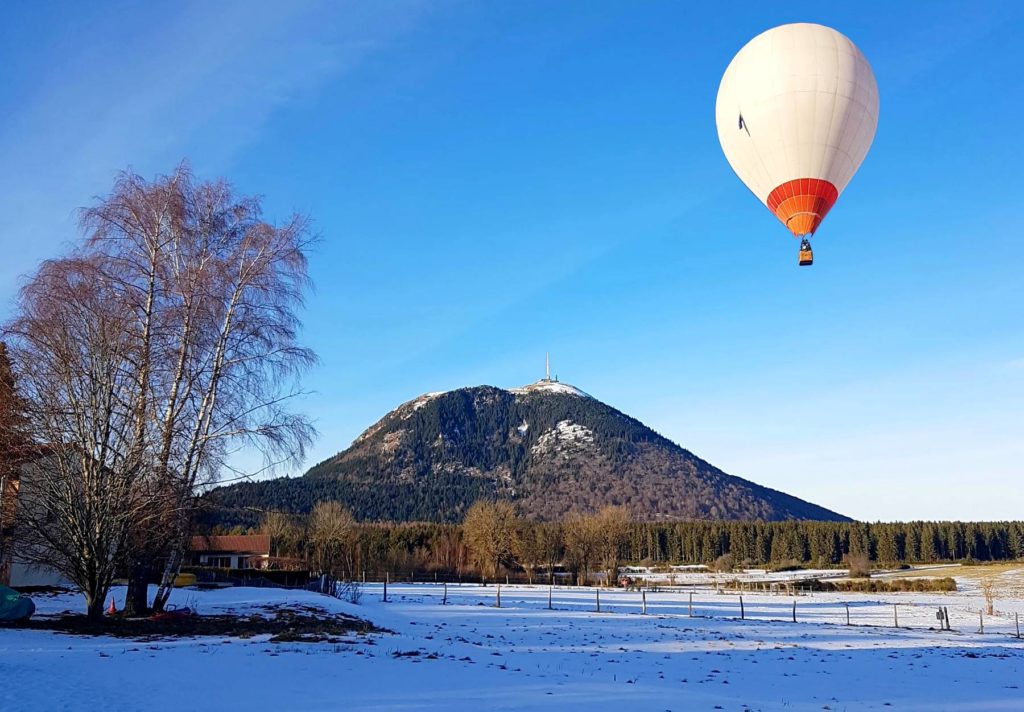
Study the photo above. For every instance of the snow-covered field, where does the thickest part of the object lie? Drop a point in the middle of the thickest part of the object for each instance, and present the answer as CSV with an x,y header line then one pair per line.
x,y
471,655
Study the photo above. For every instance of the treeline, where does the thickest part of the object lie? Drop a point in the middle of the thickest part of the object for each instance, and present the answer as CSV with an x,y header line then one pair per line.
x,y
491,540
501,542
451,493
826,543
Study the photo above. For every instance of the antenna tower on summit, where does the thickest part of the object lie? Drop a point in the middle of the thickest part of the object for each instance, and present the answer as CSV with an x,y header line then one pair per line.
x,y
547,366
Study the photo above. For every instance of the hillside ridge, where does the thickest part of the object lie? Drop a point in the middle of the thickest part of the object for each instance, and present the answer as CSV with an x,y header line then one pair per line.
x,y
549,446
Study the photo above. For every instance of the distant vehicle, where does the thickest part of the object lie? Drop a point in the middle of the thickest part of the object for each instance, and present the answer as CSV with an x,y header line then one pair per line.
x,y
796,114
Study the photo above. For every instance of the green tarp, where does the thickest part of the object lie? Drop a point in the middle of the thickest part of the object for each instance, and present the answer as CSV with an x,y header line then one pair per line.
x,y
14,606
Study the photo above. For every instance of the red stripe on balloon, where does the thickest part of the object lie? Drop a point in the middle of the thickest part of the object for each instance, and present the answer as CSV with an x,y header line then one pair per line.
x,y
802,204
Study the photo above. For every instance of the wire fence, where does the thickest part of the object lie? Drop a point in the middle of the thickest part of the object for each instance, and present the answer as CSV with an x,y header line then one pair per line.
x,y
895,611
786,603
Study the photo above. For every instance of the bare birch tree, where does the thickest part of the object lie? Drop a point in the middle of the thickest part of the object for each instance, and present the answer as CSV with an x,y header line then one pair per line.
x,y
192,304
72,346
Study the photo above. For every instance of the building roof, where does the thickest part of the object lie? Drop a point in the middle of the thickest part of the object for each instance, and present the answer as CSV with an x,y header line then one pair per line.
x,y
234,544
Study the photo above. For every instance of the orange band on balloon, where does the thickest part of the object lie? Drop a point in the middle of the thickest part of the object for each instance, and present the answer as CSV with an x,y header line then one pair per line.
x,y
802,204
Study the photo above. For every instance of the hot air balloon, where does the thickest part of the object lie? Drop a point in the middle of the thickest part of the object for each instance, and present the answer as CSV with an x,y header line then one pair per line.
x,y
796,113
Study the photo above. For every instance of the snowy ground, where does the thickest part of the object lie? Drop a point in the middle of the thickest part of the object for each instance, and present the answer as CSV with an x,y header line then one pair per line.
x,y
471,655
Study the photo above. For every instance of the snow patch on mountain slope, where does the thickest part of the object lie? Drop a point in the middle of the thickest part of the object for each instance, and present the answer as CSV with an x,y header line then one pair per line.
x,y
566,433
422,401
546,386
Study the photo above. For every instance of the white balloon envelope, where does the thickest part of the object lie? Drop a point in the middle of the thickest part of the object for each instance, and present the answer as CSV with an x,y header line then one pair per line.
x,y
796,113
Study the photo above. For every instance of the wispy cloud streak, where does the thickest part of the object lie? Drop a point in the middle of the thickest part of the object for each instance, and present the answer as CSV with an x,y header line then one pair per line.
x,y
144,90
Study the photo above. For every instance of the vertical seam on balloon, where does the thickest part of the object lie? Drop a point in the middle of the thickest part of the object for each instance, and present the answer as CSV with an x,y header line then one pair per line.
x,y
767,173
827,170
816,164
777,99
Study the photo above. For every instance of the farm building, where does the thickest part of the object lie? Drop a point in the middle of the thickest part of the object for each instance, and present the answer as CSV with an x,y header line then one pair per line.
x,y
244,551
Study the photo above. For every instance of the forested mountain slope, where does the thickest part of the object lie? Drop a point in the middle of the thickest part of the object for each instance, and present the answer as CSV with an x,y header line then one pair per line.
x,y
548,446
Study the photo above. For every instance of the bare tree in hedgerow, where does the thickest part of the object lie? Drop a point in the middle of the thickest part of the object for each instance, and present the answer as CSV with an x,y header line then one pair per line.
x,y
490,531
582,538
284,534
187,325
527,547
612,525
334,538
537,545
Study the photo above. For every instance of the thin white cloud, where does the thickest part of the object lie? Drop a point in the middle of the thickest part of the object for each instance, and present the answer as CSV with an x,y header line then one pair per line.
x,y
201,83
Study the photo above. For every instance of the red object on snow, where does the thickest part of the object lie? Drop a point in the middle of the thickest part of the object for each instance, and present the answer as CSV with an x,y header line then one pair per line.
x,y
173,614
112,610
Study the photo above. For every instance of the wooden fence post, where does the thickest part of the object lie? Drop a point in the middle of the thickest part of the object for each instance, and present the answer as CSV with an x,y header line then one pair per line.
x,y
444,601
895,617
742,612
981,622
597,592
847,613
1016,619
498,604
643,596
691,604
387,576
551,588
794,610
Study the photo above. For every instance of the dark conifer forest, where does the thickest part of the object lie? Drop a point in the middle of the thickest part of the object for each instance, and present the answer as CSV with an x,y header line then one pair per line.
x,y
550,451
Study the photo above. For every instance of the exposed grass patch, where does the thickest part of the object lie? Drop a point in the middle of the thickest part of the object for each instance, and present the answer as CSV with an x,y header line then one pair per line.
x,y
283,624
1007,579
790,565
896,585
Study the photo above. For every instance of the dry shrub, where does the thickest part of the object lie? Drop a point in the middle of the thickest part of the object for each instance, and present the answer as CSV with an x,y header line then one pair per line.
x,y
988,590
859,565
724,563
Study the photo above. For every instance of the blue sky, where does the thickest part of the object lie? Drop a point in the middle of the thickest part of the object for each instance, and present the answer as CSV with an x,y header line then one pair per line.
x,y
496,180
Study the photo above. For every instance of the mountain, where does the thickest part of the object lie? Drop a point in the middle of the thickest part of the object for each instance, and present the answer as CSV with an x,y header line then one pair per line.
x,y
548,446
